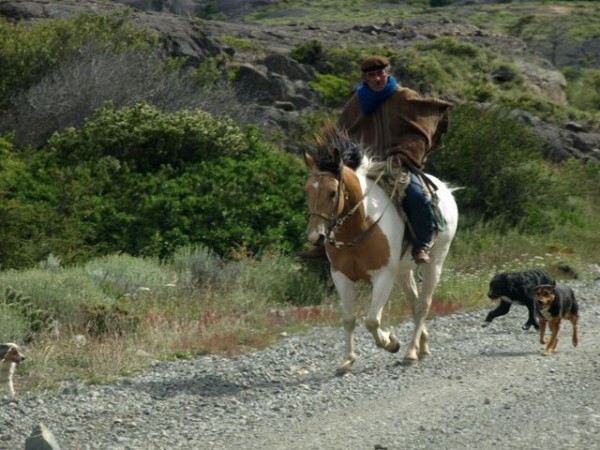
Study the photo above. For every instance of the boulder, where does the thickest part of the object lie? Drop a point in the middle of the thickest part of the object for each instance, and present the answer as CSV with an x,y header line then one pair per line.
x,y
546,79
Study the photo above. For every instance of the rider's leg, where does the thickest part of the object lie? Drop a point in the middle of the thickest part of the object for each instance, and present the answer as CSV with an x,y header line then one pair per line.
x,y
418,209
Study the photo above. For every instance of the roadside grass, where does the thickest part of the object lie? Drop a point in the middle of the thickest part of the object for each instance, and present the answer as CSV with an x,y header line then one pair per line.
x,y
171,312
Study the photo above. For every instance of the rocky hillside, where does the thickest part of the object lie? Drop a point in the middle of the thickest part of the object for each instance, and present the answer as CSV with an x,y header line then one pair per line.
x,y
279,86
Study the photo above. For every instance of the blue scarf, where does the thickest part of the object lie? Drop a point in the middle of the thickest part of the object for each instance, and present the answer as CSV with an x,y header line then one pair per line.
x,y
370,99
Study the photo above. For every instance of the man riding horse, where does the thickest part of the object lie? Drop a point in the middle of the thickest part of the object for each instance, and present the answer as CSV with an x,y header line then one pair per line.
x,y
401,128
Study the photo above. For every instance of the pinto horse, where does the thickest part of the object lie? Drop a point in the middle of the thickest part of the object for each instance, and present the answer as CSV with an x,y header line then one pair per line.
x,y
364,240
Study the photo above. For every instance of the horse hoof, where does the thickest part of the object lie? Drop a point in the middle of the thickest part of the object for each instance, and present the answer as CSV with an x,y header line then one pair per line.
x,y
344,368
395,348
407,362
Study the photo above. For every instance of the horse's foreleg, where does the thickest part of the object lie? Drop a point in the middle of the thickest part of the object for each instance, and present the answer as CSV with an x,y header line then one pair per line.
x,y
382,287
419,345
347,292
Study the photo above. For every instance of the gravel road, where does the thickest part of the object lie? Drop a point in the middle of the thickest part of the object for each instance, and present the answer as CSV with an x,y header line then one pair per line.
x,y
483,388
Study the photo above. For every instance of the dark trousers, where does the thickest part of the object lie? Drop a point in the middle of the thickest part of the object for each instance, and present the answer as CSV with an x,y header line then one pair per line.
x,y
418,209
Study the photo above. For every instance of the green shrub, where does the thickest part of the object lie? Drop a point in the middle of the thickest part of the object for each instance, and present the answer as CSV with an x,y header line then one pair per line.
x,y
147,183
200,268
209,73
279,280
499,165
59,294
583,88
29,51
31,216
13,326
450,46
144,139
112,320
121,274
311,52
334,90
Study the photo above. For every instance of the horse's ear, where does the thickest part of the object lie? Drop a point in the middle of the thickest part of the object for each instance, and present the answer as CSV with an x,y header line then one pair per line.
x,y
310,162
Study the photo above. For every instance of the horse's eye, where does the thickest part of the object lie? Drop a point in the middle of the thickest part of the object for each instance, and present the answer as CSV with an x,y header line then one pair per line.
x,y
332,194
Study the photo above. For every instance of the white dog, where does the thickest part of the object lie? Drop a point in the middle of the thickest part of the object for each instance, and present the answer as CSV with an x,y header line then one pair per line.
x,y
10,356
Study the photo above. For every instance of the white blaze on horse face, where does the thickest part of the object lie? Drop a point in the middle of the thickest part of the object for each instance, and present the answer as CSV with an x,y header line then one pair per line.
x,y
322,198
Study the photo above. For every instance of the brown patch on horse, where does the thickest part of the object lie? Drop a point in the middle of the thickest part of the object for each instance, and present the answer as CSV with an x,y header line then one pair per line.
x,y
355,261
364,245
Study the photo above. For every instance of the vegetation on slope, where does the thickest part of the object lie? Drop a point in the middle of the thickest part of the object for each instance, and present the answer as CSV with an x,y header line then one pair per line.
x,y
156,223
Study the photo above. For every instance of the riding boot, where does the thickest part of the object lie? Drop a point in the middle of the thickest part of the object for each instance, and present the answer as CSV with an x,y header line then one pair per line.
x,y
420,254
316,252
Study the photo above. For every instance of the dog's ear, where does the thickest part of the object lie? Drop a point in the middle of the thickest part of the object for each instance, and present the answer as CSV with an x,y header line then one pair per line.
x,y
4,349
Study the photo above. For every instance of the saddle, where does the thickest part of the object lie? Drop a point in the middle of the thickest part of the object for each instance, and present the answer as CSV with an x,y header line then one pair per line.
x,y
394,178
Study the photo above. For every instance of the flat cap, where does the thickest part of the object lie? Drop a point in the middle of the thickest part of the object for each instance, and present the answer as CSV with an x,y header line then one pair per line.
x,y
374,62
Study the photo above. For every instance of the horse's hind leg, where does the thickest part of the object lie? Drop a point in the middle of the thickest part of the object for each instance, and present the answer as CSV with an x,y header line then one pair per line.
x,y
419,344
347,292
382,287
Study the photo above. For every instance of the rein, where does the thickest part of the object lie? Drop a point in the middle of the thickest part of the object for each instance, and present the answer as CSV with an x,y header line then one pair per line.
x,y
336,222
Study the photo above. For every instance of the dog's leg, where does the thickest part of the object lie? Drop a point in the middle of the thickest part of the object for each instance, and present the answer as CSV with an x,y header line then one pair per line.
x,y
573,319
554,327
501,310
11,389
557,329
531,320
543,339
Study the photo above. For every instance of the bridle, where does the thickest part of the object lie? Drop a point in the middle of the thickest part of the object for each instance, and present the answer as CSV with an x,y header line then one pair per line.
x,y
340,189
335,222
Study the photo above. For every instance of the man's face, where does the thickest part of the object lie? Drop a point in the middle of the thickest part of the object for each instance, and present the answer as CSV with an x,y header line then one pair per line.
x,y
376,79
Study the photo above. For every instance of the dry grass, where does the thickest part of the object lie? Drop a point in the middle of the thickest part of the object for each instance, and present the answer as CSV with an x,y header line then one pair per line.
x,y
54,362
231,316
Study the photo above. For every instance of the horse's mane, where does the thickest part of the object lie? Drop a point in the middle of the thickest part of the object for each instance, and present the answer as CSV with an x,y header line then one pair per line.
x,y
334,143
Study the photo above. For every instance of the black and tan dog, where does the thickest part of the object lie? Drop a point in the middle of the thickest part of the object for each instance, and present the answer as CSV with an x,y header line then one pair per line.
x,y
554,303
516,287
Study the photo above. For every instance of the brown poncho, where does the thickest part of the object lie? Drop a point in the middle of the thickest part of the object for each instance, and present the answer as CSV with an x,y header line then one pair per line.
x,y
405,123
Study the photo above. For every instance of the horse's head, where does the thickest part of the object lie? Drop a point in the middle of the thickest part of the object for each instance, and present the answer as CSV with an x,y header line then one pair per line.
x,y
330,182
325,194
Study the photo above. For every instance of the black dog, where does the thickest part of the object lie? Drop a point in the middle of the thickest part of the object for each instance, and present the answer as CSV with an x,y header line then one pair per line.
x,y
516,287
